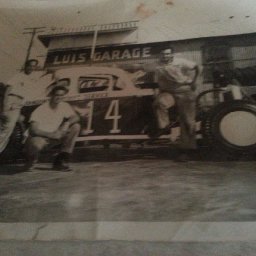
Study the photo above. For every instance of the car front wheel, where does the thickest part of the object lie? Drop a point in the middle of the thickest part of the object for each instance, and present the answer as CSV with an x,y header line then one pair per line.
x,y
231,126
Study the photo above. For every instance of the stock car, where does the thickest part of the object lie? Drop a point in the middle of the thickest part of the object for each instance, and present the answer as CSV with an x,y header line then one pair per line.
x,y
113,108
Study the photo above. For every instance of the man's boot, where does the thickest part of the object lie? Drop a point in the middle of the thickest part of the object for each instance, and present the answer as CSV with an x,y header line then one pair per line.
x,y
61,162
185,155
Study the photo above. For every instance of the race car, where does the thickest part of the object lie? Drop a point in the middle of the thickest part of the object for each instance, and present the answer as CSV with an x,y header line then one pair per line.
x,y
113,108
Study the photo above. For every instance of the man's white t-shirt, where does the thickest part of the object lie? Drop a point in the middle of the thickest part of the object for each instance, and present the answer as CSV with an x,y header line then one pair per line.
x,y
48,119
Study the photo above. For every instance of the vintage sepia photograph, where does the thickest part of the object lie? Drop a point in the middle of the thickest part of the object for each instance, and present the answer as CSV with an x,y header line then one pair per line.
x,y
127,127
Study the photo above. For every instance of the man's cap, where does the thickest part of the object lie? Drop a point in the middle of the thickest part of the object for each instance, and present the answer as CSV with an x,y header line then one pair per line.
x,y
62,84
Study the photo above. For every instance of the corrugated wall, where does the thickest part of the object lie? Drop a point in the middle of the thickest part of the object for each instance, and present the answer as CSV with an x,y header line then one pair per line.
x,y
244,56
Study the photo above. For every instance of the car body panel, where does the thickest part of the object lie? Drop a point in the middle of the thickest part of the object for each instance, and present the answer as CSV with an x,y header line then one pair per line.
x,y
109,104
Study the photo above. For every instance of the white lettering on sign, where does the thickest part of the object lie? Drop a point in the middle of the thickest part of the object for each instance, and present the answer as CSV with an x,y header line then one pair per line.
x,y
146,52
107,55
116,55
56,60
126,54
73,58
136,53
123,54
70,58
81,58
97,56
66,59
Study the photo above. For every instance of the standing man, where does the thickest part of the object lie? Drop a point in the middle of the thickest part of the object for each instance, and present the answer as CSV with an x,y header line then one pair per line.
x,y
52,123
176,77
21,87
28,83
21,83
16,91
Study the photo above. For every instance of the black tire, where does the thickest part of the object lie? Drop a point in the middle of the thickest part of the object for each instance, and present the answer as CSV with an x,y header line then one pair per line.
x,y
126,145
231,127
13,150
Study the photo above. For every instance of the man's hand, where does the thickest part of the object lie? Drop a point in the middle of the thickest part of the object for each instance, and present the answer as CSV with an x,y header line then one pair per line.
x,y
57,135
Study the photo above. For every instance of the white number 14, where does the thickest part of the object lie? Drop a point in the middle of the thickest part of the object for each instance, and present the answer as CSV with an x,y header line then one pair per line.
x,y
112,114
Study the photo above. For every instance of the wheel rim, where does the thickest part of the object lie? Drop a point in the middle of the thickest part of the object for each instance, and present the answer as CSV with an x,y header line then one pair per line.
x,y
239,128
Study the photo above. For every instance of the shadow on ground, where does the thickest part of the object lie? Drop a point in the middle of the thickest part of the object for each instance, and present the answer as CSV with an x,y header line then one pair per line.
x,y
117,153
11,169
164,152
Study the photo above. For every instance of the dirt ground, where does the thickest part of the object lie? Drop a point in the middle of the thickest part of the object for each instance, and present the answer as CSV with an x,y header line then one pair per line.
x,y
129,185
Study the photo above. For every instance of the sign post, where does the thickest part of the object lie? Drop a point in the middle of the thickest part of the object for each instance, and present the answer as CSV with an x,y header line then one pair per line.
x,y
33,31
94,41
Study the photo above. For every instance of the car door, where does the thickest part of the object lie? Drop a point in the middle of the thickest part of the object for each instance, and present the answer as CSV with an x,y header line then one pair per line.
x,y
109,111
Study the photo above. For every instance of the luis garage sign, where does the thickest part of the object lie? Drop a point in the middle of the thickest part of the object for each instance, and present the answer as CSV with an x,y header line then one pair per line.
x,y
69,57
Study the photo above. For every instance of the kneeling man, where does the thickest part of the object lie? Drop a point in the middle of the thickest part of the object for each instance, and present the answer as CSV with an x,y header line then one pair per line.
x,y
52,123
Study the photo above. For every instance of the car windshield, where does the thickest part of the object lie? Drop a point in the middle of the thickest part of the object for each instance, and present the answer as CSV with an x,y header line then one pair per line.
x,y
93,84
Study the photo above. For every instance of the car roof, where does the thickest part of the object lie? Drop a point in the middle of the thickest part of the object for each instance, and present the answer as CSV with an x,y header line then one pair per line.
x,y
77,71
74,73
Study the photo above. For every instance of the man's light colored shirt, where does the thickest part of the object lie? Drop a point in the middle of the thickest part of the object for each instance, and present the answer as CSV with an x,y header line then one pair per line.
x,y
48,119
30,86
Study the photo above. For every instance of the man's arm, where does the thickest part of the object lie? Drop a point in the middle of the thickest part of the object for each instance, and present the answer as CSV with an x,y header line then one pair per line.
x,y
5,99
71,116
196,70
73,119
196,73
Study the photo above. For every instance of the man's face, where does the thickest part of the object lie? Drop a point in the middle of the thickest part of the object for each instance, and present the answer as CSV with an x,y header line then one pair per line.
x,y
57,96
166,56
30,67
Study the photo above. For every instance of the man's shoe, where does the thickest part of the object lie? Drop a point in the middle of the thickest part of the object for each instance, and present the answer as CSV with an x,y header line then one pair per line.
x,y
160,132
30,164
185,155
177,142
61,167
29,167
182,158
60,162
